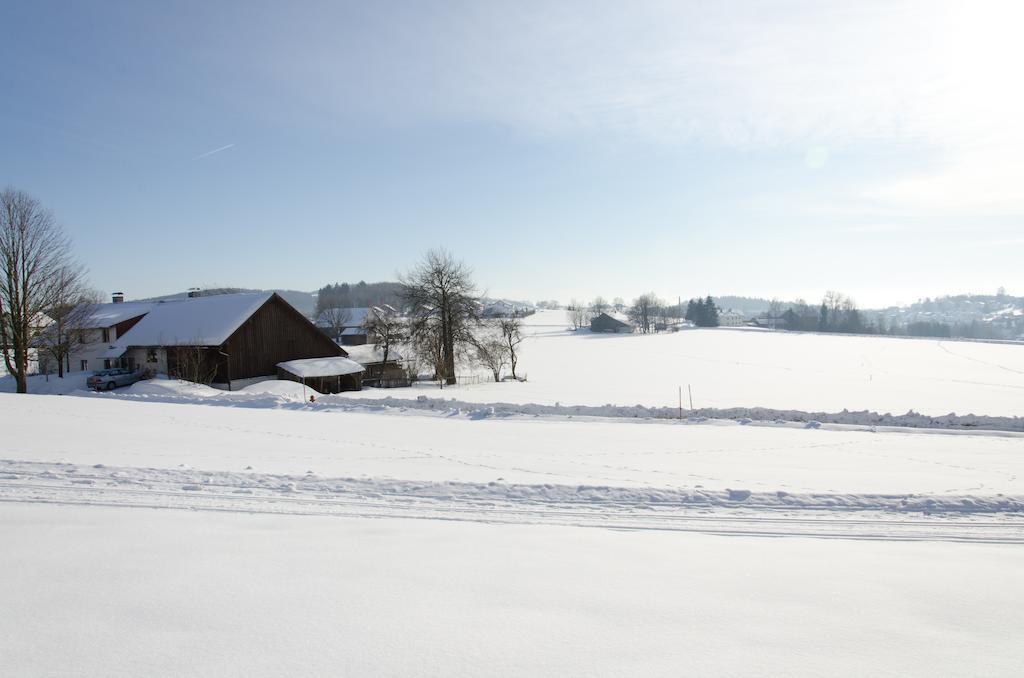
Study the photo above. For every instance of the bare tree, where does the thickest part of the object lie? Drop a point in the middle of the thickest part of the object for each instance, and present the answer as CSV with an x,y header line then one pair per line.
x,y
577,314
599,305
388,331
73,305
425,342
512,335
643,311
192,363
491,351
442,298
335,319
33,249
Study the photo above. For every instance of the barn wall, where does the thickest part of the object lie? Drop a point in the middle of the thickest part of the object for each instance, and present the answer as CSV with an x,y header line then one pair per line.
x,y
273,334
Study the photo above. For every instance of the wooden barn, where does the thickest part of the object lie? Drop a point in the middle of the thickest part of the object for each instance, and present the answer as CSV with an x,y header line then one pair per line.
x,y
326,375
222,339
606,323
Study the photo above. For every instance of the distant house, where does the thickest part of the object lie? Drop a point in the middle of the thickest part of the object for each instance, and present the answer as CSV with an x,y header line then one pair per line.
x,y
326,375
731,318
353,330
606,323
379,373
502,308
220,339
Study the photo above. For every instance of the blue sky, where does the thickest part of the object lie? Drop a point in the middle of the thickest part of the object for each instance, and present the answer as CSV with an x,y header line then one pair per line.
x,y
562,149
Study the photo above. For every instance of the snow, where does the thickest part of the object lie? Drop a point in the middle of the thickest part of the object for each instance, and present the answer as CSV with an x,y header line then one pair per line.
x,y
474,448
735,368
105,591
321,367
49,384
170,387
291,390
199,321
108,315
170,528
367,354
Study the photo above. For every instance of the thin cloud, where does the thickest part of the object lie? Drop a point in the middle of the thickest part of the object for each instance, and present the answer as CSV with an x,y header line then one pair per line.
x,y
216,150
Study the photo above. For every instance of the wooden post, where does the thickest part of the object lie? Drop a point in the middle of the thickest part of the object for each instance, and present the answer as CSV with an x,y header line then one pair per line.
x,y
680,402
690,391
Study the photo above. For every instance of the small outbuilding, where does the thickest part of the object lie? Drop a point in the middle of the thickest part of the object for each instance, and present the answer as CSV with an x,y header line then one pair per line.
x,y
326,375
606,323
378,372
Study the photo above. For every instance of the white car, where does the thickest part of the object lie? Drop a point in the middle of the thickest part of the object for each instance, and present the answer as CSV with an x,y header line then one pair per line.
x,y
108,380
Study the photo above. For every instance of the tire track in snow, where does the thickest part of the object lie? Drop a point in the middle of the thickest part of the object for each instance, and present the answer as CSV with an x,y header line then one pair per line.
x,y
729,512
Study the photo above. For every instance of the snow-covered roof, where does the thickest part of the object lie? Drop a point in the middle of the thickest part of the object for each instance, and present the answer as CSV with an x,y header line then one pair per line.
x,y
321,367
368,354
352,331
200,321
108,315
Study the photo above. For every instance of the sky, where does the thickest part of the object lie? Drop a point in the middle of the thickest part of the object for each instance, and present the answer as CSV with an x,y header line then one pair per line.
x,y
561,149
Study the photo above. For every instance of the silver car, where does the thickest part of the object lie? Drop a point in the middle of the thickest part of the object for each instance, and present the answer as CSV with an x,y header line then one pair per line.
x,y
108,380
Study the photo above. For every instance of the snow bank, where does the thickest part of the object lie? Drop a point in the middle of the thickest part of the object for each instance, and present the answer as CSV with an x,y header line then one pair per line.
x,y
292,390
171,387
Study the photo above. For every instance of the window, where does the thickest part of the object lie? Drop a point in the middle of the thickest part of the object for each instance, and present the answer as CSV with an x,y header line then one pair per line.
x,y
151,355
85,365
106,363
106,335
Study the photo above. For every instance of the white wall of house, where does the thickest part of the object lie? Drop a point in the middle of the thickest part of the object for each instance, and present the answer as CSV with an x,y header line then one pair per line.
x,y
154,359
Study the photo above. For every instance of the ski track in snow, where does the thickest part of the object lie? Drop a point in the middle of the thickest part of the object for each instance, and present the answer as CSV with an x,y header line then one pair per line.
x,y
959,518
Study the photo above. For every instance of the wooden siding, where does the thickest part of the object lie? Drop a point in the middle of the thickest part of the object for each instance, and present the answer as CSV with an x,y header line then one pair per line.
x,y
276,332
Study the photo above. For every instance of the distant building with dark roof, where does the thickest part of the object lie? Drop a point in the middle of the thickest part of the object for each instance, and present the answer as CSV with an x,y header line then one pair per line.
x,y
606,323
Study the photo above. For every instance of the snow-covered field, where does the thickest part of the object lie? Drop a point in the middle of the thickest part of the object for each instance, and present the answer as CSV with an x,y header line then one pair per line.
x,y
101,592
172,529
751,368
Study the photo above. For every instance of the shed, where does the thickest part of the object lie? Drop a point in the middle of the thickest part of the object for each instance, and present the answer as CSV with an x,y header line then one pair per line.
x,y
326,375
605,323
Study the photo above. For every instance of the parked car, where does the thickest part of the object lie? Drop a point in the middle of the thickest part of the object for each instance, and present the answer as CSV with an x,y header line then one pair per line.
x,y
107,380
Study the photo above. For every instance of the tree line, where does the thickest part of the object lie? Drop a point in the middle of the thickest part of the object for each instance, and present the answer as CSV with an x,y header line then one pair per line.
x,y
647,313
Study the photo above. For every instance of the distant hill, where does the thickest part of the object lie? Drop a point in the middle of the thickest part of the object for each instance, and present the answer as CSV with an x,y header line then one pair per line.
x,y
304,302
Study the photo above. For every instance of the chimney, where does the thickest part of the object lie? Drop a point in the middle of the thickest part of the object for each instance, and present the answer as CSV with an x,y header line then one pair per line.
x,y
118,297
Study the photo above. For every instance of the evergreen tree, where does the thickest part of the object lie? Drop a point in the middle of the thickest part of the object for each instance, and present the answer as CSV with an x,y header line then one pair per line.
x,y
691,311
710,313
823,318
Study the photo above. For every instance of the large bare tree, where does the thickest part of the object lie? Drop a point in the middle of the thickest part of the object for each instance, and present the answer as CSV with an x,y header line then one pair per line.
x,y
442,299
73,305
33,250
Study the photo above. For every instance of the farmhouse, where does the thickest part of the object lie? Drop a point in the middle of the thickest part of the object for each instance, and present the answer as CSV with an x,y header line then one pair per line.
x,y
104,325
326,375
731,318
606,323
221,339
